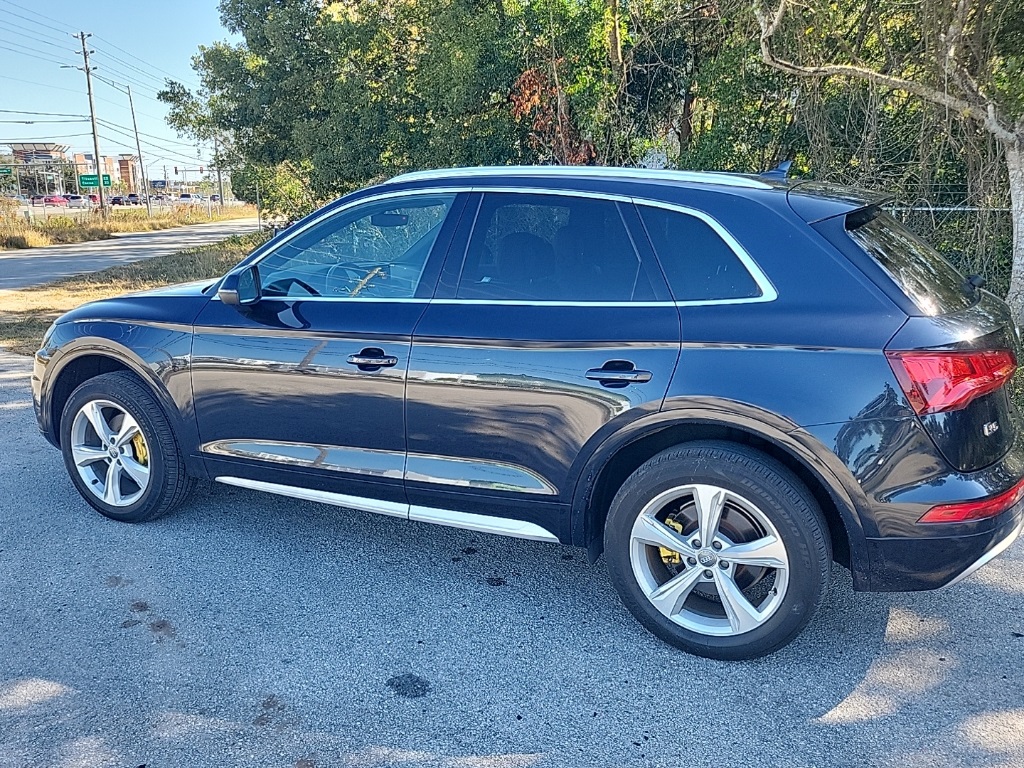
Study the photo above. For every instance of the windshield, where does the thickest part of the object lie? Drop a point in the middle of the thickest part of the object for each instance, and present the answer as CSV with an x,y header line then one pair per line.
x,y
931,282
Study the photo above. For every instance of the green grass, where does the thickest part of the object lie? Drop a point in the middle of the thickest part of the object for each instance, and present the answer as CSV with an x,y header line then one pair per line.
x,y
58,229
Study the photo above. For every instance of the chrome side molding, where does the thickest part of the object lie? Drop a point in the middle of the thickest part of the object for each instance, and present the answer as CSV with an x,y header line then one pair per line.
x,y
500,526
393,508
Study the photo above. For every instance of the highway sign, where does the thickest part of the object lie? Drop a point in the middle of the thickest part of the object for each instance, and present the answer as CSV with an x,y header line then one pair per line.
x,y
92,180
5,171
158,183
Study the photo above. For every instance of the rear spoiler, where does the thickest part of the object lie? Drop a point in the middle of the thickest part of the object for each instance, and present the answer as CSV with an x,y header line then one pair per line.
x,y
815,202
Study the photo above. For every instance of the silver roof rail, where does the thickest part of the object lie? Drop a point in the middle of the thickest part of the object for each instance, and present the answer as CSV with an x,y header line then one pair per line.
x,y
589,171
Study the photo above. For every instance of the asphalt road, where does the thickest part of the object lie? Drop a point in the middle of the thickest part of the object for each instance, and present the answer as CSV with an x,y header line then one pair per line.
x,y
252,630
22,268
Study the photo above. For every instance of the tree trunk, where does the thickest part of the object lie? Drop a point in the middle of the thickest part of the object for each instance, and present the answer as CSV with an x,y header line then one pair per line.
x,y
614,42
1015,166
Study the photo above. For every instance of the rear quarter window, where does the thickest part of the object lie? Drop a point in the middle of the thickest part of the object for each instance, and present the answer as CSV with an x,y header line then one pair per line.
x,y
927,279
698,263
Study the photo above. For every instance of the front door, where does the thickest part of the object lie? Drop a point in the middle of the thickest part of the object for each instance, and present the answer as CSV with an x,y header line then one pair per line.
x,y
557,328
305,389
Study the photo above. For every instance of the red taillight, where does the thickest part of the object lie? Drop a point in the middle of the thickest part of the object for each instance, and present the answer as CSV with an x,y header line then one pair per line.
x,y
945,381
974,510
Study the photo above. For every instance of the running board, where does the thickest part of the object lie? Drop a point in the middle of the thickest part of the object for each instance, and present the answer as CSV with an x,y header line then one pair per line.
x,y
501,526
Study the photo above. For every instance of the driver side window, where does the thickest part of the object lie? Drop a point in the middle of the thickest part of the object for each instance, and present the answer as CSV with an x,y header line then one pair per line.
x,y
376,250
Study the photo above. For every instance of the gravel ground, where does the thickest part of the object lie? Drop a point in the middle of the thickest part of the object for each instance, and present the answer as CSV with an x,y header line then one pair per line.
x,y
252,630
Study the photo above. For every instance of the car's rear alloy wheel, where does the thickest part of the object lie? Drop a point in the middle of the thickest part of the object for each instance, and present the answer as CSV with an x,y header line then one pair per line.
x,y
718,550
120,450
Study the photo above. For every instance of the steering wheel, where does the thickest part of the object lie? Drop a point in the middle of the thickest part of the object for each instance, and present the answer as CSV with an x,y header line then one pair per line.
x,y
353,273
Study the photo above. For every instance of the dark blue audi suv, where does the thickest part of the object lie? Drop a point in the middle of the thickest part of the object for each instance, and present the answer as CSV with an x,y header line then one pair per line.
x,y
722,382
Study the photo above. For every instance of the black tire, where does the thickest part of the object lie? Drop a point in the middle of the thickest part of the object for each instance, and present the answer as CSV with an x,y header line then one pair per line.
x,y
168,484
776,493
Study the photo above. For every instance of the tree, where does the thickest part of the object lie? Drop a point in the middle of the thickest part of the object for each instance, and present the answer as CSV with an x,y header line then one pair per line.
x,y
966,57
353,91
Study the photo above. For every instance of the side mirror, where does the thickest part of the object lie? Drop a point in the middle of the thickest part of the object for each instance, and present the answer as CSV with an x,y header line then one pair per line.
x,y
240,288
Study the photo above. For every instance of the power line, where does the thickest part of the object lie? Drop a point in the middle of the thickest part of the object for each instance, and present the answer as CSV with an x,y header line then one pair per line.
x,y
190,144
143,63
28,52
34,122
36,140
113,84
129,65
41,85
181,157
121,76
47,114
67,30
30,34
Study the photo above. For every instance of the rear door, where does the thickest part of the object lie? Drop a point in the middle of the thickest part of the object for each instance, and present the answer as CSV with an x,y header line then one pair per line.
x,y
551,327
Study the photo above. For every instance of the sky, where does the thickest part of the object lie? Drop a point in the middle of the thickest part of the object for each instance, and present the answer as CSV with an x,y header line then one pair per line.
x,y
136,42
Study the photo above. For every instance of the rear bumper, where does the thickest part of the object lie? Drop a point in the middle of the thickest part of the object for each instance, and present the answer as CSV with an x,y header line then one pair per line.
x,y
914,564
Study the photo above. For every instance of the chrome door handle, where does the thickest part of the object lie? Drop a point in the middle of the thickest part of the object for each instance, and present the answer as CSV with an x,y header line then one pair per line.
x,y
372,359
612,375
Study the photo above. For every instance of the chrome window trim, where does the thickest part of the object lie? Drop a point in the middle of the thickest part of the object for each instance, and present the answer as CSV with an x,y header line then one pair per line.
x,y
502,526
587,171
768,291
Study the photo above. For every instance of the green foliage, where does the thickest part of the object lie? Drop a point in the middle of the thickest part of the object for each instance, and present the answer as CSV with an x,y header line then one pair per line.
x,y
322,97
280,190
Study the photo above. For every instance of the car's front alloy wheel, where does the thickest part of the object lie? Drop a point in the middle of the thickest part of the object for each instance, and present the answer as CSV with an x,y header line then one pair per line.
x,y
718,550
110,453
120,450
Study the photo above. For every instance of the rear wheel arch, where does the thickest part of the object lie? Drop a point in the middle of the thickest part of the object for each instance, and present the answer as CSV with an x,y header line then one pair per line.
x,y
598,486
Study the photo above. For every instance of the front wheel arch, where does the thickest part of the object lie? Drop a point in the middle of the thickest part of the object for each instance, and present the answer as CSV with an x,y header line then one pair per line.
x,y
82,360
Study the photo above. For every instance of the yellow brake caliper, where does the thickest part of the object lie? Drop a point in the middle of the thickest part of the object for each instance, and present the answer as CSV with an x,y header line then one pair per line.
x,y
670,556
139,447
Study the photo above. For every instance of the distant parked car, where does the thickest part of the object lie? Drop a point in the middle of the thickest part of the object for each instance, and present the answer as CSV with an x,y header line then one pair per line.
x,y
186,198
134,199
79,201
55,200
214,198
17,199
118,200
95,199
37,199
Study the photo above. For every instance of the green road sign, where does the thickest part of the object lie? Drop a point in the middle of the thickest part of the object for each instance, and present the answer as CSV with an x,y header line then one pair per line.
x,y
5,171
92,180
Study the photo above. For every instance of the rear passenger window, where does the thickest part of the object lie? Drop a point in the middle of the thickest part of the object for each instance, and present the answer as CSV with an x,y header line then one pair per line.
x,y
699,264
529,247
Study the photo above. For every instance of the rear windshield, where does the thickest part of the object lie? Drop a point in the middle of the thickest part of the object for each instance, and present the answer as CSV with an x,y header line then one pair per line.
x,y
927,279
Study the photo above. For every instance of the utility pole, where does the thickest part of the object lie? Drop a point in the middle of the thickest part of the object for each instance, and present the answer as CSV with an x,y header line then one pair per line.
x,y
220,180
92,117
138,146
